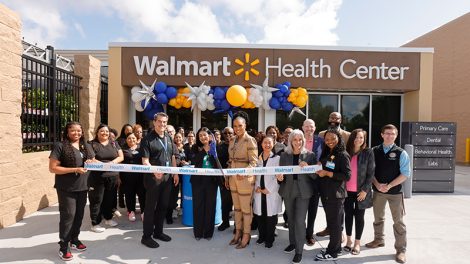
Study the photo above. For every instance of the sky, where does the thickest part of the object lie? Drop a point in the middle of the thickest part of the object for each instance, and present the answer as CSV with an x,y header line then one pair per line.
x,y
92,24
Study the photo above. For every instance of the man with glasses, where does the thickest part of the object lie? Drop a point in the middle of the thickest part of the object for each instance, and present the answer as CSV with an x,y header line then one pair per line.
x,y
226,196
157,150
392,168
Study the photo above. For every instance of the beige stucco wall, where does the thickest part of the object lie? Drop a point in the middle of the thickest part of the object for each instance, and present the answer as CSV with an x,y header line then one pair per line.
x,y
25,182
26,185
118,96
89,68
418,104
451,76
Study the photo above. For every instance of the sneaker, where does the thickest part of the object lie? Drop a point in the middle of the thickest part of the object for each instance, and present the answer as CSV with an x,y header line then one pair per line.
x,y
149,242
97,228
163,237
174,215
289,248
223,226
77,245
325,257
142,216
111,222
116,213
131,216
64,252
297,258
180,211
339,253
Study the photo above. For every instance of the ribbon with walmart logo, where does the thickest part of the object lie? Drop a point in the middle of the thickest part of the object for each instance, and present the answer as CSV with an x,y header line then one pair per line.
x,y
202,171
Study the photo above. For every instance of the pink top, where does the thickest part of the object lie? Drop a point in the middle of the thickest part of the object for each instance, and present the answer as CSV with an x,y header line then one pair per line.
x,y
309,144
351,185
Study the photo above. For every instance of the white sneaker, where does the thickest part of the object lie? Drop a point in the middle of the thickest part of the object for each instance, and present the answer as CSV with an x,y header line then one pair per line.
x,y
111,222
97,228
131,216
175,214
117,213
180,211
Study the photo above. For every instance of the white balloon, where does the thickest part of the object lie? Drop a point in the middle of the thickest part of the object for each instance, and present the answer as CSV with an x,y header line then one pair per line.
x,y
135,89
137,97
138,106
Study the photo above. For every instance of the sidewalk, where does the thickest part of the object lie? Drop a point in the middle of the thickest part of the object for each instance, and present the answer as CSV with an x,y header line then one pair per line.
x,y
437,224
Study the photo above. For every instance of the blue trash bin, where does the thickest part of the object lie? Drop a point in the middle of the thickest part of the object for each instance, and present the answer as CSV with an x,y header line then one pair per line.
x,y
188,203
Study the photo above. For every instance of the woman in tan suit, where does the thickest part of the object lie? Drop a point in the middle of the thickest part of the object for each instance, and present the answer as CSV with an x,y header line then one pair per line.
x,y
243,153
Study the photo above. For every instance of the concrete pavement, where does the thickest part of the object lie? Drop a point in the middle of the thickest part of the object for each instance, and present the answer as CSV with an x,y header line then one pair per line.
x,y
437,226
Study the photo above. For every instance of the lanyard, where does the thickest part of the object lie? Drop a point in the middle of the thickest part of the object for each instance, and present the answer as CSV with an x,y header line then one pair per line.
x,y
165,147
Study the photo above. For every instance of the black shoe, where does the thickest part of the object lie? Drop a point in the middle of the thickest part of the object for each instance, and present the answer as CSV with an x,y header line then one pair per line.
x,y
223,226
64,251
285,225
325,257
289,248
77,245
297,258
149,242
260,241
198,238
208,238
268,245
169,221
163,237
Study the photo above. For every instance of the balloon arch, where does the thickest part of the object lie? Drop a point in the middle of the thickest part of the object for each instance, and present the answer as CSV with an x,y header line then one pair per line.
x,y
150,99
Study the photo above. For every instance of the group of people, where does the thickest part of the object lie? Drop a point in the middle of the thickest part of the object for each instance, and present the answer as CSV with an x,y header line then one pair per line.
x,y
353,178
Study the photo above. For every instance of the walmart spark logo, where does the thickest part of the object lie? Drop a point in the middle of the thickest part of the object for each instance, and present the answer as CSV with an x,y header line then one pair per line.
x,y
249,64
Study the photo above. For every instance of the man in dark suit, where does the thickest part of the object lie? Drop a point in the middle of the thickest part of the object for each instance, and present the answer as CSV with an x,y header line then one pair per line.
x,y
314,144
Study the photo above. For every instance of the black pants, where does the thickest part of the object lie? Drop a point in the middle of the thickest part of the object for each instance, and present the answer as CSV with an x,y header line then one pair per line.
x,y
266,224
173,202
334,210
71,208
156,204
227,204
101,194
353,213
133,184
312,211
204,201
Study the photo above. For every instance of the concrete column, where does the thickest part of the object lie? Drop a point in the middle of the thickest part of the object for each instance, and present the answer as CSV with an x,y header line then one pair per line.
x,y
89,68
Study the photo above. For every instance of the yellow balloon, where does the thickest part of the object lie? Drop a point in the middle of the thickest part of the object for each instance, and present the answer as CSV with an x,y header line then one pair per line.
x,y
172,102
187,103
301,101
301,91
178,106
236,95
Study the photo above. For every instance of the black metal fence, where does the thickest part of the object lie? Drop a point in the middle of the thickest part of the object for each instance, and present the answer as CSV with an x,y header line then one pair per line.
x,y
50,100
104,100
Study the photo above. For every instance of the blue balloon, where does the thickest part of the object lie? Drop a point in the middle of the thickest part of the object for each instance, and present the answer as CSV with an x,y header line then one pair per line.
x,y
171,92
150,113
278,94
225,105
158,108
286,94
274,103
288,84
226,88
283,89
160,87
278,86
142,103
287,106
162,98
219,93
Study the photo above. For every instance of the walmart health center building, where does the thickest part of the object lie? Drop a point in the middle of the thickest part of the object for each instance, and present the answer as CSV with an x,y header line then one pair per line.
x,y
370,87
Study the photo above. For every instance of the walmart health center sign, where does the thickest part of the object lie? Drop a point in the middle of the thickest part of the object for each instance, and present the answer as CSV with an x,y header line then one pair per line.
x,y
321,69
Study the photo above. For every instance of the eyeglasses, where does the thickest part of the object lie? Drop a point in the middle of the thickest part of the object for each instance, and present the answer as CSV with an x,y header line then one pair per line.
x,y
389,134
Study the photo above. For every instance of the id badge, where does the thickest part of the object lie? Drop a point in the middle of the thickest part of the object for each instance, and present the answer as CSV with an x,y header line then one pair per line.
x,y
330,165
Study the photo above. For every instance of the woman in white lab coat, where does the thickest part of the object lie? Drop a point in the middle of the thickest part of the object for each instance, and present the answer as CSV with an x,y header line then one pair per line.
x,y
267,201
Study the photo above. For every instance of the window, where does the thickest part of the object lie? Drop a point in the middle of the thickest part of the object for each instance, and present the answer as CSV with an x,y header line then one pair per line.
x,y
385,110
319,108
